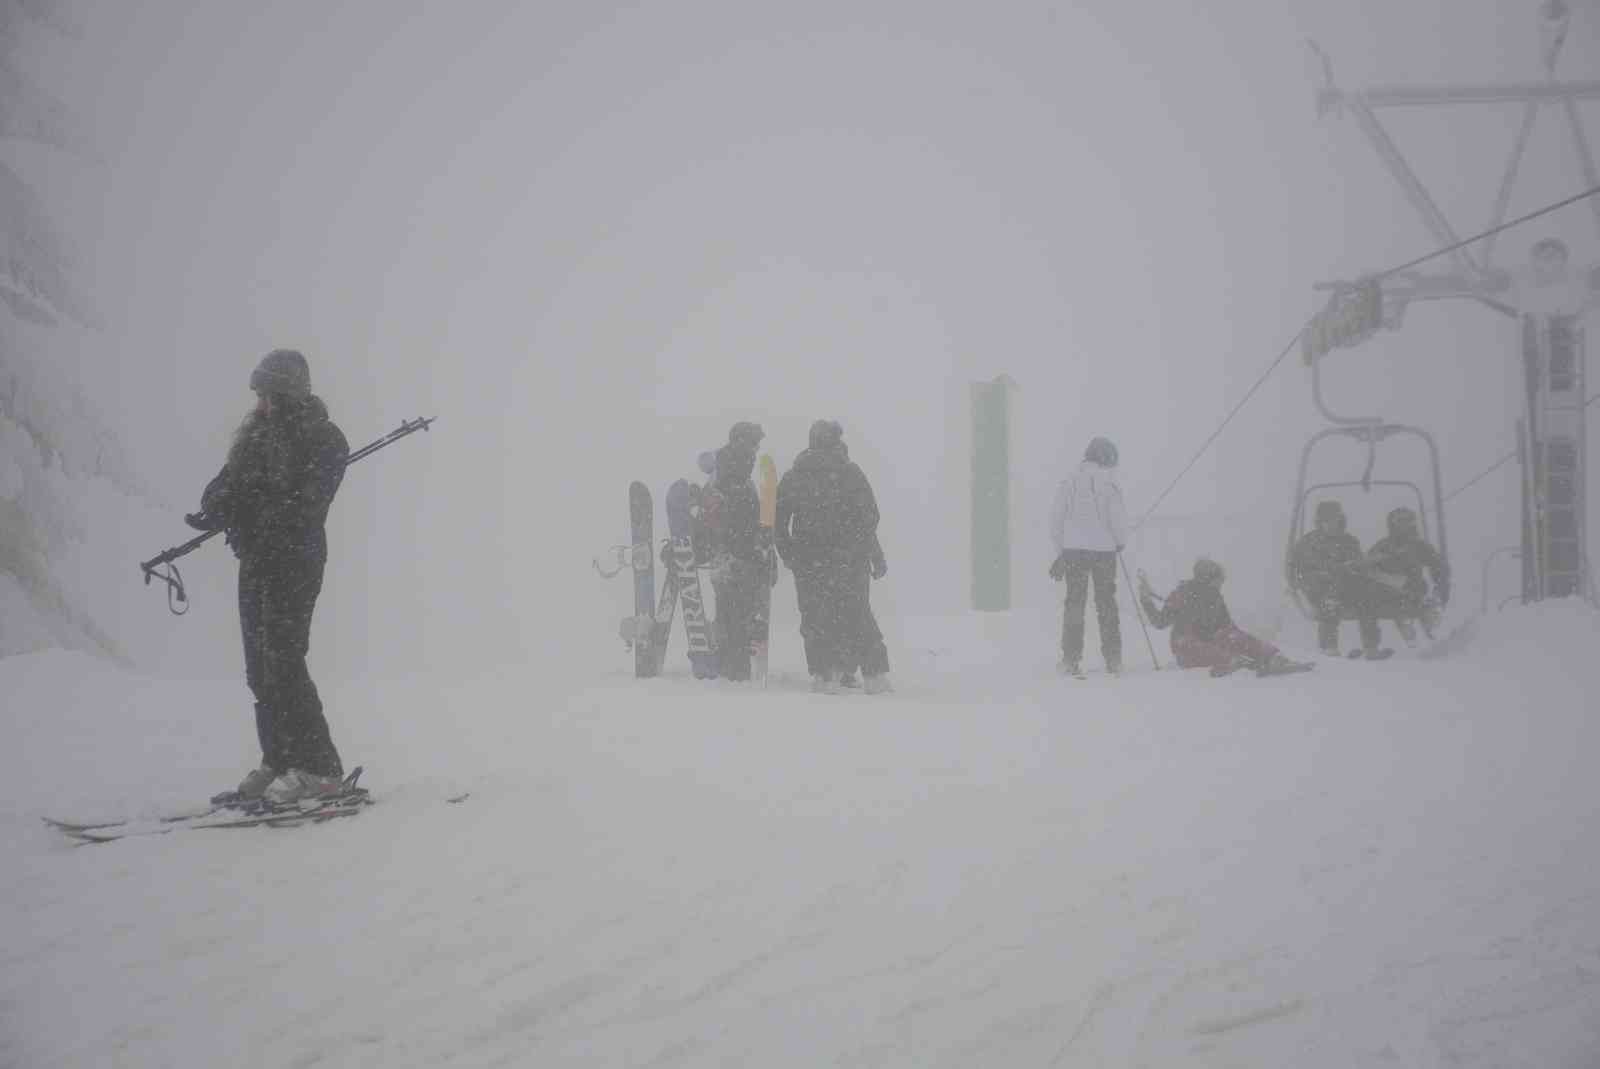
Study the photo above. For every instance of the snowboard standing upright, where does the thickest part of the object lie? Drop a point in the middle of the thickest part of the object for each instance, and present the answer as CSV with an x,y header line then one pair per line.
x,y
761,624
682,504
641,518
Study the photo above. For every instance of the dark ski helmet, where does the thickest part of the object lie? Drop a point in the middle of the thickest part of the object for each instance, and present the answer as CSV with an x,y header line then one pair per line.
x,y
745,434
283,372
1402,522
1207,570
1101,452
825,434
1549,248
1330,510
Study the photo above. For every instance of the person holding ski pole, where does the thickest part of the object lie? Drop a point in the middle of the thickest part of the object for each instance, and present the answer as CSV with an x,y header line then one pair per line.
x,y
271,498
1203,632
1089,527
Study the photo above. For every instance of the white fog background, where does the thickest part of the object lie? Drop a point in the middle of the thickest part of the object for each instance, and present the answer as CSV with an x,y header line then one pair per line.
x,y
589,237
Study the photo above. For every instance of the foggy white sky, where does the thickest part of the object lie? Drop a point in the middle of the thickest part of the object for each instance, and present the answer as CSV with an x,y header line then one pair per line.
x,y
588,237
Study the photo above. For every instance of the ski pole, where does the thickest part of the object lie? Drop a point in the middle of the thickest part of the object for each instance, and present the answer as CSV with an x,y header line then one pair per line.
x,y
174,580
1138,612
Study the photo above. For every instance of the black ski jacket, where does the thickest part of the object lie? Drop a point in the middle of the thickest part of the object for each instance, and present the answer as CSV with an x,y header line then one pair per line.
x,y
1194,610
272,495
737,530
1403,560
826,510
1321,561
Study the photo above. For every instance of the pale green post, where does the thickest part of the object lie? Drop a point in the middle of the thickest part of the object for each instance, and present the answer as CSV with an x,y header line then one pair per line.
x,y
991,494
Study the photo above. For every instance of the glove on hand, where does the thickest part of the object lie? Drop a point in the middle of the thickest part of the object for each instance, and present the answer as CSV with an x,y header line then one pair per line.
x,y
202,522
1058,570
878,567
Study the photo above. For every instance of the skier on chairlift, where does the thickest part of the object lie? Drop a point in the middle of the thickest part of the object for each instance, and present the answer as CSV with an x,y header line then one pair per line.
x,y
1396,566
1324,568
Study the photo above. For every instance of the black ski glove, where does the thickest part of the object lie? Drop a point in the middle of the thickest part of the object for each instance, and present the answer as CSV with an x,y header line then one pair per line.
x,y
1058,570
878,567
201,521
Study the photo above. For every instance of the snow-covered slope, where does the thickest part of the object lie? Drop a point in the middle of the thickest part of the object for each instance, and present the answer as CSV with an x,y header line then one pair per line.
x,y
1383,864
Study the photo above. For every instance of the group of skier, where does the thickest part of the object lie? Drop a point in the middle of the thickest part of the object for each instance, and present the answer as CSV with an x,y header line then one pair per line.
x,y
1089,528
287,460
1401,578
825,531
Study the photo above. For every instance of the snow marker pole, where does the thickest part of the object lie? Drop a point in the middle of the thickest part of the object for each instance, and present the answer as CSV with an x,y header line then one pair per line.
x,y
1137,611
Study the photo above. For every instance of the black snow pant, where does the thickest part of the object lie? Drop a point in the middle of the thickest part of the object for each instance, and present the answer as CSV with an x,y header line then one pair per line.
x,y
872,654
276,598
1333,601
738,598
836,622
1101,566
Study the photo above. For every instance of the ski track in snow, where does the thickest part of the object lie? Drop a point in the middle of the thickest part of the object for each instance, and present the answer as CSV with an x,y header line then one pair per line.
x,y
1371,865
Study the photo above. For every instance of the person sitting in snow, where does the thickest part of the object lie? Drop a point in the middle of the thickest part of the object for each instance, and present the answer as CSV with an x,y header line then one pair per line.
x,y
1203,632
1323,567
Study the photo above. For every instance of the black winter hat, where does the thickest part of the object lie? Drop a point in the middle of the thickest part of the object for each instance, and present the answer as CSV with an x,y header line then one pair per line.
x,y
1207,570
1101,452
1401,519
826,433
746,434
284,372
1329,510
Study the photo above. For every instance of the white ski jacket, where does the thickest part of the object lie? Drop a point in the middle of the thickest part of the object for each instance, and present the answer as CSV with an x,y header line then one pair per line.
x,y
1088,511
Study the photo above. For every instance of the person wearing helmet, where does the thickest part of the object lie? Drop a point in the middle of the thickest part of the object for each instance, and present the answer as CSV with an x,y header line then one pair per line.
x,y
825,530
732,511
1089,527
1323,567
271,498
1203,632
1411,581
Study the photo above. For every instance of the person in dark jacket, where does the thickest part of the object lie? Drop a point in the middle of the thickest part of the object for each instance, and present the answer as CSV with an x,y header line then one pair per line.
x,y
738,567
1396,565
827,521
271,498
1203,632
1324,566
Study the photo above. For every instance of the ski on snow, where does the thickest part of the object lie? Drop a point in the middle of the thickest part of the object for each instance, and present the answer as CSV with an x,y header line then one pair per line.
x,y
227,813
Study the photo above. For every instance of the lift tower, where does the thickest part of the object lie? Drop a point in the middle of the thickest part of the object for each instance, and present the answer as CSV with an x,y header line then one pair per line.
x,y
1546,296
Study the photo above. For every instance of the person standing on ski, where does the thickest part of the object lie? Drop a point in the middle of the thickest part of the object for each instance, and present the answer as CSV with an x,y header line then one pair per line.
x,y
827,520
1089,527
272,497
1203,632
733,510
1323,567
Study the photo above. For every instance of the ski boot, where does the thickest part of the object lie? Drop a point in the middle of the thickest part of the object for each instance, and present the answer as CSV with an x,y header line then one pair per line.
x,y
1279,665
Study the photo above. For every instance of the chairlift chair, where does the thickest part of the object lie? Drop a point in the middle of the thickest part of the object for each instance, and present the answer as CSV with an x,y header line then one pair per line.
x,y
1369,434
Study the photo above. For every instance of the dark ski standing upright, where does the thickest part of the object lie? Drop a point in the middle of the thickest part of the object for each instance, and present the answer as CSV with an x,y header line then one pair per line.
x,y
681,508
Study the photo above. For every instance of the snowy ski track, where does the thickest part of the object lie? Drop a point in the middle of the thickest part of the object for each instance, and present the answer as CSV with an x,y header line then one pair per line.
x,y
1373,865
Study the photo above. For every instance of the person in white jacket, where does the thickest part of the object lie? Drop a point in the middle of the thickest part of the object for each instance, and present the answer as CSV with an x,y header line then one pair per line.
x,y
1089,527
